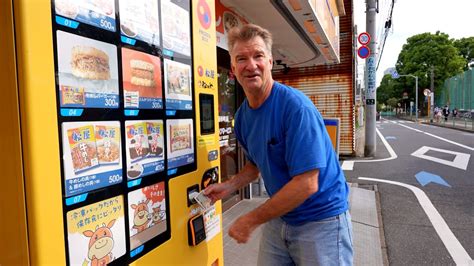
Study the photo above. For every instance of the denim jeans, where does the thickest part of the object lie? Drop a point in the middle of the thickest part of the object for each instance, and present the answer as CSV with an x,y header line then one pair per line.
x,y
324,242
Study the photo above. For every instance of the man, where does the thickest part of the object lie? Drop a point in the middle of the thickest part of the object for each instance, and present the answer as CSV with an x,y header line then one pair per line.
x,y
284,138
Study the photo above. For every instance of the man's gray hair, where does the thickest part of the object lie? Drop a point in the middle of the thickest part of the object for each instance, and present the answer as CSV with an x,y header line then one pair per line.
x,y
248,32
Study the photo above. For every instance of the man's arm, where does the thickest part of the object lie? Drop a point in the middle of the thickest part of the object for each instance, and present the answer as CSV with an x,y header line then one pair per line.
x,y
290,196
218,191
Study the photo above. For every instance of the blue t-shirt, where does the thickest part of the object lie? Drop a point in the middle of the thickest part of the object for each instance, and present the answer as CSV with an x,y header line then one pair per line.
x,y
286,137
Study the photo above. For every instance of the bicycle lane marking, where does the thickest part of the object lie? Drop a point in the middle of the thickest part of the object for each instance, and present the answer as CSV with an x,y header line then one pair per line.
x,y
349,165
452,244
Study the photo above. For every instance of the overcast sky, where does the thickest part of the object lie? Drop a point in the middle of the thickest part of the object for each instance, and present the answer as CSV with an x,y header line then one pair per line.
x,y
411,17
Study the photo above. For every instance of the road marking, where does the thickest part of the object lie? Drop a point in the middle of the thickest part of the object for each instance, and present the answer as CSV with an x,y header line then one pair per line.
x,y
452,244
461,160
424,178
434,136
349,165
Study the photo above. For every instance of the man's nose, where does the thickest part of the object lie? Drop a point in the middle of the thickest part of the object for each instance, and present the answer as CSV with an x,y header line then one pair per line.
x,y
251,65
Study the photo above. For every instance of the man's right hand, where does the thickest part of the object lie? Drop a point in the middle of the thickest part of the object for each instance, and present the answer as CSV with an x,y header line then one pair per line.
x,y
218,191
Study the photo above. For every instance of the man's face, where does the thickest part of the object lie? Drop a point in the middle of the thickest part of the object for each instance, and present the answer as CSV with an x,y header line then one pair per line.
x,y
252,65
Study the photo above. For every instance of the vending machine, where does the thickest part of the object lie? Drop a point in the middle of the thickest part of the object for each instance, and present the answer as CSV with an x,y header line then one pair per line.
x,y
110,127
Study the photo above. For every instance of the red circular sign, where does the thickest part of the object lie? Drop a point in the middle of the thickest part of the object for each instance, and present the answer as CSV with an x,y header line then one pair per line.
x,y
364,38
200,71
204,14
363,52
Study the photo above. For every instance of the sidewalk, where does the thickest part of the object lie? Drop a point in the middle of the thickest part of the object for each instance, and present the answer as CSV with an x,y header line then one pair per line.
x,y
365,222
464,124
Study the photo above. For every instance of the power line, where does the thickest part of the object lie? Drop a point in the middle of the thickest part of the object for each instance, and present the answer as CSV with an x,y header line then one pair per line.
x,y
388,25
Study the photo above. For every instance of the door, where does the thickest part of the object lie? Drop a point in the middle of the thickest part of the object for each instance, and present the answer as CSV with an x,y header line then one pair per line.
x,y
228,143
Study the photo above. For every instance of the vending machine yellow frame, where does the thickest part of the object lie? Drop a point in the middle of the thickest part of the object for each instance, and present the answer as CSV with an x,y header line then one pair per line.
x,y
64,138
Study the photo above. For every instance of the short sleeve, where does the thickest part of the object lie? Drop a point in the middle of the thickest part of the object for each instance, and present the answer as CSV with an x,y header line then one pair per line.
x,y
305,137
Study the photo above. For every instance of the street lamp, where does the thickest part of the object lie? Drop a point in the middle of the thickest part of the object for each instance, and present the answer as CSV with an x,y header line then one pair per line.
x,y
395,75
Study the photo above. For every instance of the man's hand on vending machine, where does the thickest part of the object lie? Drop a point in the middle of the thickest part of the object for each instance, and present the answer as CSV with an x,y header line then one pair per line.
x,y
218,191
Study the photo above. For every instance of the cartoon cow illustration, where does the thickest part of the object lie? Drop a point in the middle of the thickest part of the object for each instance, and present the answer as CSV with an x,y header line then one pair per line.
x,y
101,244
157,216
140,217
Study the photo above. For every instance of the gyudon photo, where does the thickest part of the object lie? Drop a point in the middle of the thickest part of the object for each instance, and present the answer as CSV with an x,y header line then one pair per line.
x,y
144,147
230,21
98,13
177,78
180,142
91,155
177,85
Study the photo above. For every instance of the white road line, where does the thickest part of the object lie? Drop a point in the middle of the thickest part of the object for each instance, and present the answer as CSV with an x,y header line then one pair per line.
x,y
452,244
461,160
349,165
434,136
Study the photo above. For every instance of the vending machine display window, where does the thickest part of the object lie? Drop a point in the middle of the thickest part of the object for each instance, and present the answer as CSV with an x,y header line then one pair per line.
x,y
148,217
206,111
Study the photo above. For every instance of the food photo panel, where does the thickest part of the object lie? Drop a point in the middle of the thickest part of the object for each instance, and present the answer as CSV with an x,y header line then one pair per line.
x,y
92,156
141,80
146,214
177,85
96,232
180,142
139,20
98,13
176,26
144,147
87,72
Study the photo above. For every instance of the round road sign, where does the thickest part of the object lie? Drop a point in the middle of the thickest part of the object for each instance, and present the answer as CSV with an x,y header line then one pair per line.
x,y
363,52
364,38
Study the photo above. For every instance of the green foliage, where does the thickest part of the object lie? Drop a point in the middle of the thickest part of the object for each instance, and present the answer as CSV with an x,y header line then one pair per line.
x,y
392,102
465,47
418,56
380,107
390,88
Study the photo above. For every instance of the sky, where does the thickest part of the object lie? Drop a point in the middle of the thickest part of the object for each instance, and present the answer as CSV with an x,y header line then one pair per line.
x,y
411,17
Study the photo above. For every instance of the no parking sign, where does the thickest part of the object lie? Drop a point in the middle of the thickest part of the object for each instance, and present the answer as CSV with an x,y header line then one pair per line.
x,y
364,39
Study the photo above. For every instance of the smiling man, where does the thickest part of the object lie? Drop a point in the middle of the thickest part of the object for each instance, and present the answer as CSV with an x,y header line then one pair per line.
x,y
284,139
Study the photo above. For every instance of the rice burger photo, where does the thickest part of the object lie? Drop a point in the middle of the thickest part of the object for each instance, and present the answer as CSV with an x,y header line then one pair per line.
x,y
90,63
142,73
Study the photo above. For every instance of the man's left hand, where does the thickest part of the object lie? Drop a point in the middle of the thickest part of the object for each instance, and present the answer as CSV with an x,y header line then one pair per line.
x,y
242,228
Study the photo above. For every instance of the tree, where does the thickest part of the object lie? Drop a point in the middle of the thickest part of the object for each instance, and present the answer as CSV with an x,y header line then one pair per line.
x,y
465,47
423,51
390,88
392,102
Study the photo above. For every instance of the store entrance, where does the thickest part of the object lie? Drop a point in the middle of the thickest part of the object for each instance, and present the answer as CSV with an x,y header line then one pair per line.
x,y
230,98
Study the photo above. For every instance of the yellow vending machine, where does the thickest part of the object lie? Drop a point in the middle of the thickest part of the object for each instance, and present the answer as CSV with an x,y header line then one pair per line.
x,y
111,131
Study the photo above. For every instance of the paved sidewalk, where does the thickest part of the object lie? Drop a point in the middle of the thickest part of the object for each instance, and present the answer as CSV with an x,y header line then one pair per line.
x,y
464,124
366,231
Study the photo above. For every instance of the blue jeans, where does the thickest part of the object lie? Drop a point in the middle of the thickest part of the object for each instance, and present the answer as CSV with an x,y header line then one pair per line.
x,y
324,242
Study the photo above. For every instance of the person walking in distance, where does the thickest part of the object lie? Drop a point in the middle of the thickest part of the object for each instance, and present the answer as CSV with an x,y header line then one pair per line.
x,y
445,112
306,220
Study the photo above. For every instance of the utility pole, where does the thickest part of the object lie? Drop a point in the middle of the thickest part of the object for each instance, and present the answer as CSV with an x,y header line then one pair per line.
x,y
432,94
370,94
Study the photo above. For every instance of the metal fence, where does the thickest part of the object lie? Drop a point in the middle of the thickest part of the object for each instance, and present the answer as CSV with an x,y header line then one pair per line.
x,y
458,92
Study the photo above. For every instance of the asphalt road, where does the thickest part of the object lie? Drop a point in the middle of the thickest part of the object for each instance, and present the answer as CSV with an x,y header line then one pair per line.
x,y
442,158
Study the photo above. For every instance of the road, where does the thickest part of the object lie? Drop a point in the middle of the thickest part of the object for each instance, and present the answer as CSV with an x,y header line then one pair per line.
x,y
424,175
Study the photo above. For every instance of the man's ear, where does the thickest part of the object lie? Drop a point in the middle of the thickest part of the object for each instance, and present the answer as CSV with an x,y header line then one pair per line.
x,y
271,62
